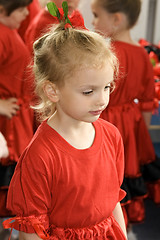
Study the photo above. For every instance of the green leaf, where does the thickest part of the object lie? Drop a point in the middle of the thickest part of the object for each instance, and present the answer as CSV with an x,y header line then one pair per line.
x,y
53,10
58,15
65,9
153,62
68,21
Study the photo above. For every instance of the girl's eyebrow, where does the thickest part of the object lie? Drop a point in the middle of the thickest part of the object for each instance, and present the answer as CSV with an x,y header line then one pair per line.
x,y
93,86
87,86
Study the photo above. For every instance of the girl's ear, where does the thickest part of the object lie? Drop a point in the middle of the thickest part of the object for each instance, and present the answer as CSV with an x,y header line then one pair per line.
x,y
2,11
119,20
51,91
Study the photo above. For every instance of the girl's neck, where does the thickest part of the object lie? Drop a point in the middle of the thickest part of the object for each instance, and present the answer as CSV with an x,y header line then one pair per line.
x,y
124,36
78,134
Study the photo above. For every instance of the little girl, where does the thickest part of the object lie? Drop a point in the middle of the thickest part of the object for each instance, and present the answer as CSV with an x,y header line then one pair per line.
x,y
67,182
16,118
115,19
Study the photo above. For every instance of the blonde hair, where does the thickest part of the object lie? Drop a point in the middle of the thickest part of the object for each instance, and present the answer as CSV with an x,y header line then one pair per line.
x,y
60,53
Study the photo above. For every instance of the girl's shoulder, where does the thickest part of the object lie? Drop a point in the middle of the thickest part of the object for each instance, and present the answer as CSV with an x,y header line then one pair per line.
x,y
107,128
128,47
7,32
9,37
110,137
126,51
40,151
41,136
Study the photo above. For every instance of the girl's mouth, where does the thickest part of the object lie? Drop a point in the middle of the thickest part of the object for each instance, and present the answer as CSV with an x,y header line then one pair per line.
x,y
98,112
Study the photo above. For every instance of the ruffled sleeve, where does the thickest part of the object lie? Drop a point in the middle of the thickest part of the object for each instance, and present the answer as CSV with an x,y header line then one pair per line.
x,y
29,195
30,224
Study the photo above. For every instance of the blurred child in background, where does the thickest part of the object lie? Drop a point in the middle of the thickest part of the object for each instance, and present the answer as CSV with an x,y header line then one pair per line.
x,y
115,18
16,117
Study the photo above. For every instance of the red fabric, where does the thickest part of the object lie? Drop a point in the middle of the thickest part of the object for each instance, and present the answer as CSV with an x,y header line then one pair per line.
x,y
3,200
33,9
15,82
43,21
73,188
154,192
136,210
135,82
107,229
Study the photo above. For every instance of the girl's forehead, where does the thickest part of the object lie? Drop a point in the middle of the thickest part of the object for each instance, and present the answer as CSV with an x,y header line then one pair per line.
x,y
92,76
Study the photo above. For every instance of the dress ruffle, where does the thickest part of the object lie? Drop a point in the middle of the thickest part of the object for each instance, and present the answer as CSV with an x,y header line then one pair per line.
x,y
145,185
133,203
151,171
151,175
30,224
107,229
134,187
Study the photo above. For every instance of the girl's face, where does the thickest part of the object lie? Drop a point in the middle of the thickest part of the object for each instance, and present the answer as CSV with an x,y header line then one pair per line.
x,y
85,95
103,21
72,5
14,20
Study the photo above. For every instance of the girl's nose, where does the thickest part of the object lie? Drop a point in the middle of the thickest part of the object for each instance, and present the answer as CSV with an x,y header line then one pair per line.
x,y
102,99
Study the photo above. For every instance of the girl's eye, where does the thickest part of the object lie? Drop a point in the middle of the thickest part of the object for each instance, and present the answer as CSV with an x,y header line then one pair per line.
x,y
107,87
95,15
87,92
110,87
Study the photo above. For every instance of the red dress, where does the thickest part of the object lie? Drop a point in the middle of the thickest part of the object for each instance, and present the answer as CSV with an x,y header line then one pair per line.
x,y
14,82
65,192
135,82
43,21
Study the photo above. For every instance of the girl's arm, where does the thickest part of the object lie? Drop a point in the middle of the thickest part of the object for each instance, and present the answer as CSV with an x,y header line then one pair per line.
x,y
147,118
3,147
118,215
28,236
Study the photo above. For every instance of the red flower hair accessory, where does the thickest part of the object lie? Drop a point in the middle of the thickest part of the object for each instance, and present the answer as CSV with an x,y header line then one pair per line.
x,y
75,20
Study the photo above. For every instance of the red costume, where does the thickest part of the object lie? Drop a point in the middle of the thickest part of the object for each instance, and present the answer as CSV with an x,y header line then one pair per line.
x,y
14,82
67,193
135,83
43,21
